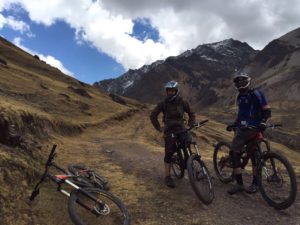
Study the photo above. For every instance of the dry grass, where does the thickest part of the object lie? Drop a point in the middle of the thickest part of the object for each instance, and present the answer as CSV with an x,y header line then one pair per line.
x,y
42,103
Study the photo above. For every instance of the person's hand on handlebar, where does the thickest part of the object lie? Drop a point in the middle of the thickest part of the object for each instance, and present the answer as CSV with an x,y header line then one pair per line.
x,y
230,127
262,126
192,123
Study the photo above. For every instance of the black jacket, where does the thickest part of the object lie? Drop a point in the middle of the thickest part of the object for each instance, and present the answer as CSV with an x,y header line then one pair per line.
x,y
173,113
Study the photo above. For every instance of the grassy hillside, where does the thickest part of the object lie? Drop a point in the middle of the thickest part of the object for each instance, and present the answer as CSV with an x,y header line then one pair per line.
x,y
39,103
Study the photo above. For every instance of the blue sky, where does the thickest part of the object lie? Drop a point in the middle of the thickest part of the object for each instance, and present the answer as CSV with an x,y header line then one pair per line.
x,y
93,40
58,40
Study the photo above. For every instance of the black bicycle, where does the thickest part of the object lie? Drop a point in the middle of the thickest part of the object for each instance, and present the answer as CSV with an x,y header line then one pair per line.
x,y
86,205
198,173
276,177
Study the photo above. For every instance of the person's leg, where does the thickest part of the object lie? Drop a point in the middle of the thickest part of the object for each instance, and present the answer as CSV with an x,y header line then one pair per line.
x,y
249,135
169,146
236,145
167,169
253,188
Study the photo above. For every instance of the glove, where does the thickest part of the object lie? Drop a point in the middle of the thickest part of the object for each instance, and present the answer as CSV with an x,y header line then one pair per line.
x,y
262,126
192,123
230,127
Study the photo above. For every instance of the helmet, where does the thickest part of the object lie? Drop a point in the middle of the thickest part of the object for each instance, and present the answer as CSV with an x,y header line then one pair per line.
x,y
241,81
172,89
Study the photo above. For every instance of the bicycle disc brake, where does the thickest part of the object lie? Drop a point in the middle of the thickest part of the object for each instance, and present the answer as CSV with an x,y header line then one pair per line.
x,y
102,209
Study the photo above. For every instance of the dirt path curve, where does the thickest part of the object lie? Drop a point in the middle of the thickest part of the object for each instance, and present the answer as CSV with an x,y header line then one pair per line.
x,y
129,154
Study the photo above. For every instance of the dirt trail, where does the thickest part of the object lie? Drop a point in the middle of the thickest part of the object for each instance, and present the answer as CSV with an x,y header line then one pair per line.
x,y
130,155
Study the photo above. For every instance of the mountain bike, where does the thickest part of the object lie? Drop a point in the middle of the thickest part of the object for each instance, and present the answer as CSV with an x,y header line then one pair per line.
x,y
87,177
86,206
276,177
185,158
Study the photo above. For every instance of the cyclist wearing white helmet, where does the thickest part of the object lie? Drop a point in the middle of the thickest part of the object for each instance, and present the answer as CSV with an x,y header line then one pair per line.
x,y
253,111
173,108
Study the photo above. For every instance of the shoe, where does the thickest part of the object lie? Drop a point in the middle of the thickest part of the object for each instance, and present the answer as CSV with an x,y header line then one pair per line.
x,y
252,189
235,189
169,182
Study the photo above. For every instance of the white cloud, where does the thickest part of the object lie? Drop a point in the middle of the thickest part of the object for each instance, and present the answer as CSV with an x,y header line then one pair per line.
x,y
15,24
48,58
55,63
107,24
2,21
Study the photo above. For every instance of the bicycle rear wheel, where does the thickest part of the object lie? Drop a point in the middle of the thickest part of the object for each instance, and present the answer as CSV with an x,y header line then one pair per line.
x,y
177,164
200,179
222,162
277,181
107,209
87,177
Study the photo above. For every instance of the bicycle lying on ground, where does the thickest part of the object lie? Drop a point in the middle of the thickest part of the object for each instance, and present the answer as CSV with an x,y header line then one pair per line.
x,y
87,177
86,205
198,173
276,177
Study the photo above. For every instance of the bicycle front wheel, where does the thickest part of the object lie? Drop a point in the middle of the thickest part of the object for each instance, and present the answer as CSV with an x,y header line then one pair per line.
x,y
103,208
277,181
177,164
200,179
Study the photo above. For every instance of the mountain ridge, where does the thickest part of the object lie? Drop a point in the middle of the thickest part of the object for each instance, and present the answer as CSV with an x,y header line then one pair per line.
x,y
202,63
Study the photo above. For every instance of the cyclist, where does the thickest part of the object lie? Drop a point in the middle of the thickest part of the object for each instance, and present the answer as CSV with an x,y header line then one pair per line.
x,y
173,108
254,111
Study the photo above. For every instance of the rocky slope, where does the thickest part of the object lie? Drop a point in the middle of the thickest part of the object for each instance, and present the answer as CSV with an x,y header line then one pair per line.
x,y
200,72
276,70
277,67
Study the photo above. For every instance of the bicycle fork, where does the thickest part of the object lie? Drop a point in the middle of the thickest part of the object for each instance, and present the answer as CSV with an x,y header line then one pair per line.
x,y
199,159
271,174
197,150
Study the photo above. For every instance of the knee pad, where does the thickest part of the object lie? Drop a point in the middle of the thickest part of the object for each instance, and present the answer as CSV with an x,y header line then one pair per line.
x,y
236,159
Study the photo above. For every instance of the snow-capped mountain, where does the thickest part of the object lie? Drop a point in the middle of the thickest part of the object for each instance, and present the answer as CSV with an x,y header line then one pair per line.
x,y
195,69
122,83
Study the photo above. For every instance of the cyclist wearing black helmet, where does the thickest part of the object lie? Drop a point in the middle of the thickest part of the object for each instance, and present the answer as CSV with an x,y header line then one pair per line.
x,y
254,111
173,108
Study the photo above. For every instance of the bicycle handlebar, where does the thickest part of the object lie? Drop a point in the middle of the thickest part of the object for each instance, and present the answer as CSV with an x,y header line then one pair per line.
x,y
196,125
272,126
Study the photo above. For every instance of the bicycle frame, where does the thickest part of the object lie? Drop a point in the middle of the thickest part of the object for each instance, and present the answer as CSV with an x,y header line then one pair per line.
x,y
61,179
187,149
253,147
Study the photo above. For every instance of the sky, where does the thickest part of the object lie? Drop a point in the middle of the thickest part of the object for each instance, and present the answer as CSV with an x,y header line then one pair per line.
x,y
92,40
